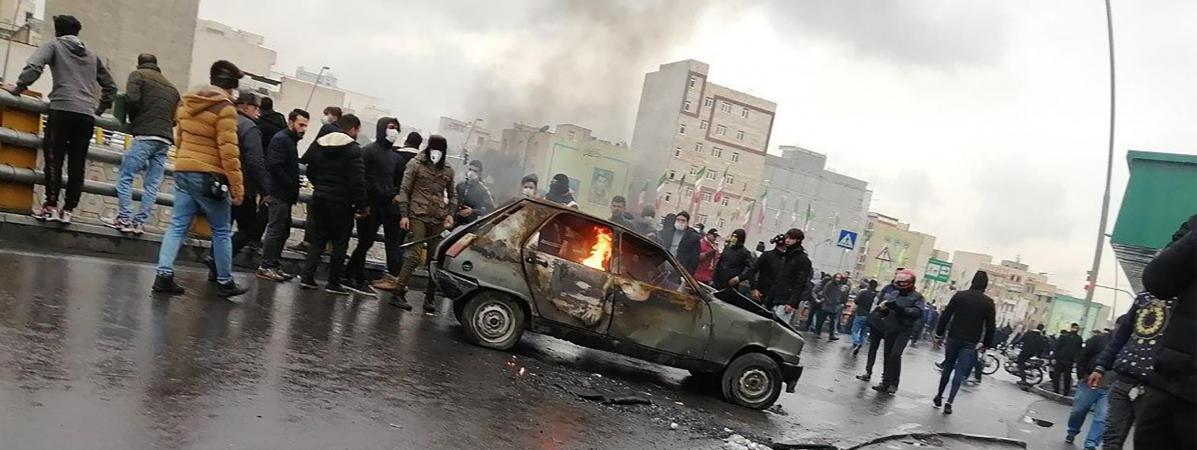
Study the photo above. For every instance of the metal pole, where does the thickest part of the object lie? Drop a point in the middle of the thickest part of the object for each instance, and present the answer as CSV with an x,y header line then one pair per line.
x,y
1105,200
319,75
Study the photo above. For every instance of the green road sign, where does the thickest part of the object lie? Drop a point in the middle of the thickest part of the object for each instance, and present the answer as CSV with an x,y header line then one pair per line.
x,y
938,270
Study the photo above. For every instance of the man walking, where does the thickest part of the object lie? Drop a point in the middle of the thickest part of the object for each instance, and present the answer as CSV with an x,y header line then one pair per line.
x,y
1068,347
337,174
835,292
427,183
382,163
682,241
860,316
620,214
71,120
969,321
282,164
207,177
473,195
902,307
1089,398
792,282
151,101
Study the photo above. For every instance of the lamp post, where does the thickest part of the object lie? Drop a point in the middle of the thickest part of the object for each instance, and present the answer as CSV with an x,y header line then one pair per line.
x,y
1105,200
316,83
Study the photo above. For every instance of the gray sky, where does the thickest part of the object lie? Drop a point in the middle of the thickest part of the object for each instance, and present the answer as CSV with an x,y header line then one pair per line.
x,y
983,123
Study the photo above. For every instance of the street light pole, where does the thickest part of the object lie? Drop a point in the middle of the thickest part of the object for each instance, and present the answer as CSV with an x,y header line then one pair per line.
x,y
1105,200
313,92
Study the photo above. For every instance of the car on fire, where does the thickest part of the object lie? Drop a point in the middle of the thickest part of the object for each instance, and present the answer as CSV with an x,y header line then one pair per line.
x,y
535,265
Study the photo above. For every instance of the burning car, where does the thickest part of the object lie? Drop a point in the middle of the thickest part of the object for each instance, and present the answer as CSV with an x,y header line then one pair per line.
x,y
534,265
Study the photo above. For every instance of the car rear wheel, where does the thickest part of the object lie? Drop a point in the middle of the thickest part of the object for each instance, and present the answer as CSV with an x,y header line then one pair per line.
x,y
752,380
493,320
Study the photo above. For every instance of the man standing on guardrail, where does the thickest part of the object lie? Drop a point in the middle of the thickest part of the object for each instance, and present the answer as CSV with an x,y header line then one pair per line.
x,y
207,177
71,120
282,163
151,101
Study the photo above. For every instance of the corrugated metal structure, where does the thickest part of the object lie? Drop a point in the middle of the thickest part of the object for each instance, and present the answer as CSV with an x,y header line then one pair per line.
x,y
1160,194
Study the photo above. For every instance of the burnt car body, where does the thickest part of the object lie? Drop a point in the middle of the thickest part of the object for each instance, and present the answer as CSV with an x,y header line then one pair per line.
x,y
535,265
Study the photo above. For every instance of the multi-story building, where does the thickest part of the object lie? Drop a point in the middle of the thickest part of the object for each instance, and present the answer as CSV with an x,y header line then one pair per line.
x,y
597,169
695,132
891,244
467,136
215,41
804,194
119,30
1022,297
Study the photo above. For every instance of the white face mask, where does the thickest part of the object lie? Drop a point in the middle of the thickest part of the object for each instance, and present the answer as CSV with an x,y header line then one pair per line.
x,y
679,226
436,156
326,120
392,135
529,191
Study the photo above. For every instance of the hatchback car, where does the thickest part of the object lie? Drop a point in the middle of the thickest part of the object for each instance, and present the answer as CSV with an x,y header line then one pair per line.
x,y
535,265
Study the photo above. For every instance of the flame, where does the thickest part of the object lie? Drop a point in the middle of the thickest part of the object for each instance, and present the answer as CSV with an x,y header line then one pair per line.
x,y
600,252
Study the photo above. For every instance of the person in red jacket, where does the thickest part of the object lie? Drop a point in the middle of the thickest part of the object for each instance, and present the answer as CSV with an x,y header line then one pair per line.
x,y
708,254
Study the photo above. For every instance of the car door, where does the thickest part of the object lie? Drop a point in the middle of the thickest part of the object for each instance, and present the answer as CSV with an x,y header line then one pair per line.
x,y
567,263
655,305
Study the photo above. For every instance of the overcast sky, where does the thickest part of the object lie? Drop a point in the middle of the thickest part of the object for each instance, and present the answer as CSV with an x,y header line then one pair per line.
x,y
983,123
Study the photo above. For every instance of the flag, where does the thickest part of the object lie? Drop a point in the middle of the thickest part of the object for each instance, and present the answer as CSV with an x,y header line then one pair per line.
x,y
777,218
747,214
643,193
719,191
661,182
701,175
809,215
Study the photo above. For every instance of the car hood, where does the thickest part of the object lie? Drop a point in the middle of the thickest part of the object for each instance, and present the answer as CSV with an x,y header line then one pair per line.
x,y
737,299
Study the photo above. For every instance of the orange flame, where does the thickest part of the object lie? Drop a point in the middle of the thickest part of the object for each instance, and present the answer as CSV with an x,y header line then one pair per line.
x,y
600,252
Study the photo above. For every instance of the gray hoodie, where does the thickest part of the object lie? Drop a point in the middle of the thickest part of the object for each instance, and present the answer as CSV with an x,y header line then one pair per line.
x,y
76,70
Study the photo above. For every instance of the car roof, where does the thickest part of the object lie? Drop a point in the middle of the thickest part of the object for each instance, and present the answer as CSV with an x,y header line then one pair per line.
x,y
560,207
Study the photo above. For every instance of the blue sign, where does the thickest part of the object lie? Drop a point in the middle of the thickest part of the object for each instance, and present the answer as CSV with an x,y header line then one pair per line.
x,y
847,240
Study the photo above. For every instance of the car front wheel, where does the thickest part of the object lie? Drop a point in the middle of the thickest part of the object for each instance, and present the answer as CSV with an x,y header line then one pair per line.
x,y
493,320
752,380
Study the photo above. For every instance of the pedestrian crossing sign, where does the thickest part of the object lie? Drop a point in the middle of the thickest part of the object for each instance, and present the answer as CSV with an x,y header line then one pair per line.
x,y
847,240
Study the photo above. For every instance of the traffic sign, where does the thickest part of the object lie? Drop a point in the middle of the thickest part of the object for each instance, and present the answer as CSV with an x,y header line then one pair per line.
x,y
847,240
938,270
883,255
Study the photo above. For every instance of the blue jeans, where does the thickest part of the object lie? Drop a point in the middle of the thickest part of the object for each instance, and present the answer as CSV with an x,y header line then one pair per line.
x,y
860,329
144,156
1089,399
959,357
190,201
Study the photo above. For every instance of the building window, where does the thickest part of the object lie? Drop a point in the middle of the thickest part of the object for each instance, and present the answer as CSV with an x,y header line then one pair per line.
x,y
677,151
739,135
698,147
693,82
704,125
693,170
720,130
723,201
689,192
744,112
686,105
708,102
716,152
672,174
706,196
668,197
701,218
681,129
735,157
722,223
710,174
729,179
725,107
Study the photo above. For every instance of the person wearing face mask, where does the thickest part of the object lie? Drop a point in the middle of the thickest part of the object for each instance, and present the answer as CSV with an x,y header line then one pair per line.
x,y
328,122
559,191
528,186
474,196
682,241
427,182
901,307
404,152
734,260
282,164
338,176
381,163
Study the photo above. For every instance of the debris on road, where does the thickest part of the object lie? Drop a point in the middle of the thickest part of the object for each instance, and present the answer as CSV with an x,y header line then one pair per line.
x,y
673,425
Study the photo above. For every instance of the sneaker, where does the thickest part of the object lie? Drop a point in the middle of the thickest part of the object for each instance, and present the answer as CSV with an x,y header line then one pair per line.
x,y
937,402
833,338
401,303
360,288
136,228
270,275
308,283
337,289
881,387
894,390
429,306
947,407
46,212
865,376
115,223
1070,438
386,283
230,289
286,276
165,284
64,217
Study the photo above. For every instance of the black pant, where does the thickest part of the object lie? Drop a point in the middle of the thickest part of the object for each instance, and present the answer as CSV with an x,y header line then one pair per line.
x,y
278,229
875,336
367,231
829,318
1163,420
328,222
251,223
1062,381
895,344
68,136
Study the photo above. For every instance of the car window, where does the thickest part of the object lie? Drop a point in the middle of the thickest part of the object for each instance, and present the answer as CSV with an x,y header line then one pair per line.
x,y
577,239
648,264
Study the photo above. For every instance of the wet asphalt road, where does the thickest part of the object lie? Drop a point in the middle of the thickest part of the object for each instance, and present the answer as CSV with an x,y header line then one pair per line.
x,y
89,359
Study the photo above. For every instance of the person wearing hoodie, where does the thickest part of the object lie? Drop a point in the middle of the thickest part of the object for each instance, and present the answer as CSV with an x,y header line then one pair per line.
x,y
282,164
207,177
734,260
382,161
390,282
427,183
151,102
969,321
74,105
559,191
835,293
338,176
764,270
473,196
792,281
270,122
901,308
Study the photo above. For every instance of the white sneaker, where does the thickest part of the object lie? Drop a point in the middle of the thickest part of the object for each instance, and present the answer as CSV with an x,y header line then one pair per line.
x,y
135,229
54,215
64,216
44,213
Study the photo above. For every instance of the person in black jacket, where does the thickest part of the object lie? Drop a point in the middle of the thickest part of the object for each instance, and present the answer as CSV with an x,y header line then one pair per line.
x,y
900,308
969,321
1095,399
381,161
270,121
860,316
792,283
734,260
1033,345
764,270
474,196
250,224
1068,348
282,165
682,241
390,282
337,173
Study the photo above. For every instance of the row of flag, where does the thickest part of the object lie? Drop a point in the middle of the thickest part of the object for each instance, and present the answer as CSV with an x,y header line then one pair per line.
x,y
743,216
